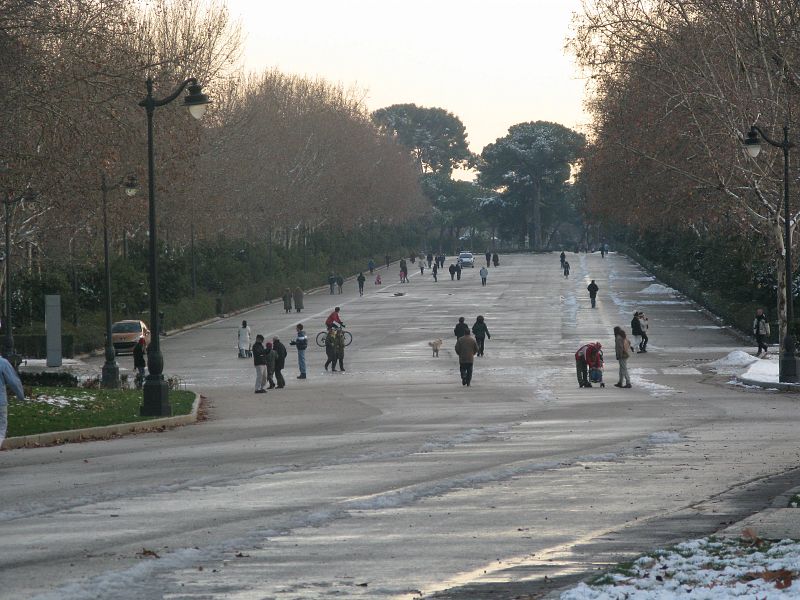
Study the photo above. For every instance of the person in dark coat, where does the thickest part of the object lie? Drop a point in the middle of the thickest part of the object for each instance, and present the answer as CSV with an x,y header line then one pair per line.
x,y
461,328
466,348
260,363
387,260
566,268
563,259
452,269
435,271
488,258
761,331
361,279
458,271
338,348
270,356
139,351
429,258
330,350
636,330
481,332
339,282
371,266
496,259
593,289
280,361
331,281
298,299
287,300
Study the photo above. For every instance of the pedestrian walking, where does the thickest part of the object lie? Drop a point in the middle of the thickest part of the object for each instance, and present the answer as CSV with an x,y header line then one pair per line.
x,y
287,300
488,258
622,347
458,271
588,356
429,258
761,331
466,349
260,363
413,257
602,251
9,378
361,280
330,349
435,271
481,332
339,282
452,269
244,340
636,331
461,328
298,299
421,267
387,260
280,361
403,265
331,281
338,347
269,353
495,260
371,266
563,259
645,325
301,343
566,268
593,289
377,279
139,351
484,273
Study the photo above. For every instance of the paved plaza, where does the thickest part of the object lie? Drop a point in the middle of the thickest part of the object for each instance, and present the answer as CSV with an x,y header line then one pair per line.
x,y
391,480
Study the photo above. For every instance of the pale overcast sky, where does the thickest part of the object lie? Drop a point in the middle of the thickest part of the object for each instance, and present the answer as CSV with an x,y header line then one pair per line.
x,y
492,64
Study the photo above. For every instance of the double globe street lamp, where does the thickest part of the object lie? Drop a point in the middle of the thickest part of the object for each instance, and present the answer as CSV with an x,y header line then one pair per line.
x,y
788,369
155,401
110,371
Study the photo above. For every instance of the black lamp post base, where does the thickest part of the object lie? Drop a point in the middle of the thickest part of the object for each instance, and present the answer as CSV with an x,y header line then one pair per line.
x,y
789,369
110,376
155,402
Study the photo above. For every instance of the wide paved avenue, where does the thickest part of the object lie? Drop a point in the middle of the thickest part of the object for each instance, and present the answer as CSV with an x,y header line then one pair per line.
x,y
392,480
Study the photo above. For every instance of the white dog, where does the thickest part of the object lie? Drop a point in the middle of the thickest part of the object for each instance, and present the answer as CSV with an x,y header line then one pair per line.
x,y
436,344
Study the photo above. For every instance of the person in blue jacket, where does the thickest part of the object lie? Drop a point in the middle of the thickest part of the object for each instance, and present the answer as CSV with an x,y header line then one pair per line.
x,y
8,377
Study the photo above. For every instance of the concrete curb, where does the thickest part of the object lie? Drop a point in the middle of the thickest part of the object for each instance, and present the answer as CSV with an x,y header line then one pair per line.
x,y
106,431
784,387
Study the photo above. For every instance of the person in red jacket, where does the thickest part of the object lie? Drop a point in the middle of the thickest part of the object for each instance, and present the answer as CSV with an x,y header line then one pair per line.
x,y
588,356
334,318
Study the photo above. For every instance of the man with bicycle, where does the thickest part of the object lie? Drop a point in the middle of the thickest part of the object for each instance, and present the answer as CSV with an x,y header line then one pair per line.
x,y
334,320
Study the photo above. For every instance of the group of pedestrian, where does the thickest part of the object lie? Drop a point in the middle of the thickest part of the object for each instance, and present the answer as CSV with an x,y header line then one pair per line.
x,y
289,296
589,361
469,344
455,271
564,264
334,349
492,257
335,280
639,327
269,360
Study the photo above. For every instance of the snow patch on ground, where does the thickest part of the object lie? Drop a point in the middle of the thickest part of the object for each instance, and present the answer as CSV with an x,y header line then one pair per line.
x,y
664,437
764,370
706,569
64,401
657,288
655,389
734,360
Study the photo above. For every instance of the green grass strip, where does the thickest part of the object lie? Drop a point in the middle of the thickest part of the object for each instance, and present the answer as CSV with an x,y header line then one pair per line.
x,y
48,409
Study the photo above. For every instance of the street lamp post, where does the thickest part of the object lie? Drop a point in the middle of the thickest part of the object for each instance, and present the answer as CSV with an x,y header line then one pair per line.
x,y
155,401
788,369
110,371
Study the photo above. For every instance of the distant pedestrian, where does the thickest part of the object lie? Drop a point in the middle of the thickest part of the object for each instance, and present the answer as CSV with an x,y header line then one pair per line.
x,y
429,258
481,332
260,363
452,269
588,356
636,331
371,266
338,347
761,331
361,279
495,260
139,352
488,258
403,265
244,340
280,361
377,279
421,267
645,324
566,268
435,271
10,379
602,251
563,259
413,257
461,328
458,271
298,299
387,260
301,343
484,273
332,281
339,282
622,347
330,349
593,289
287,300
466,349
269,353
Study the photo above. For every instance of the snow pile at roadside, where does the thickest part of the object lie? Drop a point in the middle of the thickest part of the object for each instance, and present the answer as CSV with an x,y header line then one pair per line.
x,y
706,568
735,359
64,401
764,370
657,288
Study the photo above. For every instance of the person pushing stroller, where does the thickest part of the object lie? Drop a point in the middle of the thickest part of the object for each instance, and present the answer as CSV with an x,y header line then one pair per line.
x,y
589,364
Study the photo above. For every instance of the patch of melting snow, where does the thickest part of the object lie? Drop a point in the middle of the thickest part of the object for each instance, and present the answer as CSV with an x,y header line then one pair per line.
x,y
655,389
732,363
707,569
657,288
764,370
63,401
664,437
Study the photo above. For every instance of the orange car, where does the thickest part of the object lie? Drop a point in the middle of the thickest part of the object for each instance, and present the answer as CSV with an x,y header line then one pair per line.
x,y
126,334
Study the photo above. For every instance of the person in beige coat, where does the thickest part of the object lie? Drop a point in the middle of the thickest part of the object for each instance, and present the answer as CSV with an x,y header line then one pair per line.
x,y
622,346
466,348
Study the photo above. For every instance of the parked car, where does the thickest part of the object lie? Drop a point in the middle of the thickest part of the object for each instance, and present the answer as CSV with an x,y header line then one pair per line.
x,y
466,259
126,334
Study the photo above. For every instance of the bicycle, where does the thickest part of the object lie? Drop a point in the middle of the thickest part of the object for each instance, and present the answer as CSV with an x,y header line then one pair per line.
x,y
348,337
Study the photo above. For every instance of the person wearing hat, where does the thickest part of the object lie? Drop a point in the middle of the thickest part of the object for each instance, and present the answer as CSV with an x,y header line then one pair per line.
x,y
280,361
270,358
461,328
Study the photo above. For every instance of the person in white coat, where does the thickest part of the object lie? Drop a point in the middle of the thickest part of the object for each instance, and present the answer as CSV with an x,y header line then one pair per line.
x,y
244,340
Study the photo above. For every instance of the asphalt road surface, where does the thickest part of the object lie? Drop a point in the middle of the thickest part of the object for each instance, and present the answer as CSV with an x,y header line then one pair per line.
x,y
392,480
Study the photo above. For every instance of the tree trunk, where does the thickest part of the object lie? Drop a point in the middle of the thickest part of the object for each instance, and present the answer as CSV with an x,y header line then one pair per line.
x,y
781,279
536,240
